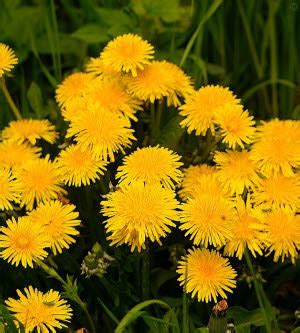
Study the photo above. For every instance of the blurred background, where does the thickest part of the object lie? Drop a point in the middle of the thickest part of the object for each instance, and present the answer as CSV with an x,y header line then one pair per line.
x,y
250,46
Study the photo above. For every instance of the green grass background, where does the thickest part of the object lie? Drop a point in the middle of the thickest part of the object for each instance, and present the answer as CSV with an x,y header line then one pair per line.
x,y
252,46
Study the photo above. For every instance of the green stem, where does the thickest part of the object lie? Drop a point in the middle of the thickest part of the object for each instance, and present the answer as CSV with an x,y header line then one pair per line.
x,y
53,273
9,99
158,117
258,292
153,123
145,274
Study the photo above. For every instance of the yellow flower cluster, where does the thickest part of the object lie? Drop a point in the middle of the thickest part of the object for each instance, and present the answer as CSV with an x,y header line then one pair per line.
x,y
144,206
248,198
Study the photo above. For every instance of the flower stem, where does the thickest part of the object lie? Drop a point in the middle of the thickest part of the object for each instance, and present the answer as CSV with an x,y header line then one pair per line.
x,y
9,99
75,297
259,294
153,123
145,273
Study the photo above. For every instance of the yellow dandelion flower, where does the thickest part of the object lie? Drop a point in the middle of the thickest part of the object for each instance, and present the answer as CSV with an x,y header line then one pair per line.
x,y
9,189
278,190
277,147
180,84
40,312
208,219
72,88
23,242
236,126
201,107
127,53
139,212
206,275
13,155
74,109
153,83
30,130
209,184
112,96
248,231
105,72
235,171
192,177
8,59
79,167
39,182
283,233
151,165
104,132
59,222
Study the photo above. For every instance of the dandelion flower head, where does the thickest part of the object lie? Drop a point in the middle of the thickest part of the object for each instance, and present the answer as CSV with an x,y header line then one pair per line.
x,y
278,191
40,181
8,59
127,53
41,312
9,189
248,231
201,107
236,126
112,96
192,177
277,147
208,219
105,133
138,212
206,275
151,165
59,222
29,130
282,226
14,154
153,83
72,88
23,242
235,171
79,167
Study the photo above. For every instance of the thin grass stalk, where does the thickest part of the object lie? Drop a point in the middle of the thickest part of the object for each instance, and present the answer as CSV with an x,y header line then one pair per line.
x,y
258,292
211,10
9,99
273,56
257,65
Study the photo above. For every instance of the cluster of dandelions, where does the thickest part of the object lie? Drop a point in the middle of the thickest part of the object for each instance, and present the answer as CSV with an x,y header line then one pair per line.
x,y
245,199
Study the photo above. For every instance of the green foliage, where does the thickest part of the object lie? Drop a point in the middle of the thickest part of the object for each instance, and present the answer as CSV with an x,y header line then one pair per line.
x,y
251,46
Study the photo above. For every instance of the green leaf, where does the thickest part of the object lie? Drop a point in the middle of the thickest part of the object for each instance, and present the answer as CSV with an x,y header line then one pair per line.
x,y
168,10
296,330
243,318
171,133
35,99
111,17
92,33
136,312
